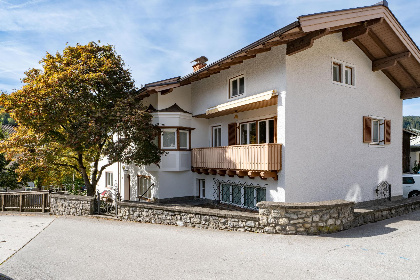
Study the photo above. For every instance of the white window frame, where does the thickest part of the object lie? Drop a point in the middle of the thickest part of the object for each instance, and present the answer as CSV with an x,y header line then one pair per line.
x,y
144,183
257,123
176,144
188,139
201,188
381,135
267,132
343,66
109,179
216,130
231,80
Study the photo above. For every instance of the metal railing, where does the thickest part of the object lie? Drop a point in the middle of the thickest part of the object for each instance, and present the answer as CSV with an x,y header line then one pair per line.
x,y
258,157
25,201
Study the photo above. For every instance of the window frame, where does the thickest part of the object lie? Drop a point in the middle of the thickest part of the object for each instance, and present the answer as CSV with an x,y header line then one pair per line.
x,y
109,176
231,80
172,130
257,127
177,131
216,130
342,73
228,196
143,180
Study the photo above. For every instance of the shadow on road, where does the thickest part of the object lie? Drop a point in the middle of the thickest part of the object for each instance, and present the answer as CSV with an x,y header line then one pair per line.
x,y
375,229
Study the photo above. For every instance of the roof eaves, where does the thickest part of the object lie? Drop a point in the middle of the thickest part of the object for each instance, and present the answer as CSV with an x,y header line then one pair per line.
x,y
250,46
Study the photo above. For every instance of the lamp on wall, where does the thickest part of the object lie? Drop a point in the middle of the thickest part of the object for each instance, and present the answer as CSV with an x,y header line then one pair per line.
x,y
236,115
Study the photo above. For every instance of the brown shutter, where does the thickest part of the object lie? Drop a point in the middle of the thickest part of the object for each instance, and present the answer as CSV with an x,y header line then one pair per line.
x,y
387,131
367,130
232,133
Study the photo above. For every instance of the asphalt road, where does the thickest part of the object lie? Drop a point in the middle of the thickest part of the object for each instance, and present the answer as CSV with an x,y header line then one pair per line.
x,y
87,248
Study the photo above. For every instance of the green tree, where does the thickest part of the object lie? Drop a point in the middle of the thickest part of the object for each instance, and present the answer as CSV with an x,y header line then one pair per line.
x,y
82,107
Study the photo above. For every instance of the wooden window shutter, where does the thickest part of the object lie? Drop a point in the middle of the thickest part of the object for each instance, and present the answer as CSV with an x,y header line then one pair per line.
x,y
367,129
232,133
387,131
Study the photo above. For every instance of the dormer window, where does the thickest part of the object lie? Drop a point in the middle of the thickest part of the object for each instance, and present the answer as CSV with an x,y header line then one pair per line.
x,y
237,86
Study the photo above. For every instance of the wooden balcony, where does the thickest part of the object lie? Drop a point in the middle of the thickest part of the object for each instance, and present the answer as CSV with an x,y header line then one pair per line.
x,y
257,160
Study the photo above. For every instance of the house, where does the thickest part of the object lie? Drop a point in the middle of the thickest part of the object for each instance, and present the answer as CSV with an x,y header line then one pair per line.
x,y
411,146
301,115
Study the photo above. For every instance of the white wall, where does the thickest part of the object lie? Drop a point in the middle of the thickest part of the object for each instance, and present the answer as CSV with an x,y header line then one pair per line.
x,y
265,72
326,158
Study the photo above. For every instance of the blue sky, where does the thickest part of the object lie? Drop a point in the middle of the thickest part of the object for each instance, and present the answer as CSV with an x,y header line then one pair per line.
x,y
157,39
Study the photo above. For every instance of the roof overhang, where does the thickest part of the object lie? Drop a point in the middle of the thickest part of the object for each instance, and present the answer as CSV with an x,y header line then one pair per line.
x,y
374,29
256,101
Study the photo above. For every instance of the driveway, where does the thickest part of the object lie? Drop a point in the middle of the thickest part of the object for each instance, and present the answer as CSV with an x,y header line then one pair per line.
x,y
87,248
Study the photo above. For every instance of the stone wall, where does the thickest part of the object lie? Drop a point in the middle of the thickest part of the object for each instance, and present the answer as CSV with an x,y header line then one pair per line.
x,y
74,205
197,217
306,218
399,208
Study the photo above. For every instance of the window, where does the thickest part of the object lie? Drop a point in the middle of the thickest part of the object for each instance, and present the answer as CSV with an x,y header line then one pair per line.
x,y
237,86
376,130
348,76
343,73
408,180
246,196
168,139
183,139
201,188
109,179
337,72
250,133
216,136
144,189
175,139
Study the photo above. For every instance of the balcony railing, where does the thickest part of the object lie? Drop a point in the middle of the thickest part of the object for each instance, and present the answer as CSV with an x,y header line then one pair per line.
x,y
242,159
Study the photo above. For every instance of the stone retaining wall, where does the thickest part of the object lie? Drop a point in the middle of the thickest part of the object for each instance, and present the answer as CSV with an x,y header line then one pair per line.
x,y
306,218
74,205
365,216
197,217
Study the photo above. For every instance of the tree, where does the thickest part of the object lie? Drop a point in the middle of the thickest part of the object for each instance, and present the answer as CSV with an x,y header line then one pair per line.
x,y
82,107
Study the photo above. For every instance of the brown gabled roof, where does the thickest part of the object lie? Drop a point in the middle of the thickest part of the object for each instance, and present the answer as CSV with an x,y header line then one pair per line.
x,y
173,109
374,29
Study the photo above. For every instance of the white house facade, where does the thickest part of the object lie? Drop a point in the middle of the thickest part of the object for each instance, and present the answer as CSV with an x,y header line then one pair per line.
x,y
303,114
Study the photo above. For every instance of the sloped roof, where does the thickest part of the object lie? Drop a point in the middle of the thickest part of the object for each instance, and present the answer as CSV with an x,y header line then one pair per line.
x,y
171,109
374,29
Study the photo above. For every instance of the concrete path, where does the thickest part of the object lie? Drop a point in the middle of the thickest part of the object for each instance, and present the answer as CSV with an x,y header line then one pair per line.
x,y
87,248
16,231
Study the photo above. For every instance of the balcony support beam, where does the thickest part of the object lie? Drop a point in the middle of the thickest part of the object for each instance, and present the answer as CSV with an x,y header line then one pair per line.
x,y
213,171
231,173
241,173
268,174
253,174
221,172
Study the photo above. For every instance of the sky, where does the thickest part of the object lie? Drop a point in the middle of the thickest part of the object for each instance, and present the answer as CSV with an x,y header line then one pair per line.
x,y
157,39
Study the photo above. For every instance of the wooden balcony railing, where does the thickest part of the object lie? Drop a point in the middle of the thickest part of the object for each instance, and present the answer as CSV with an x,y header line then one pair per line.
x,y
240,160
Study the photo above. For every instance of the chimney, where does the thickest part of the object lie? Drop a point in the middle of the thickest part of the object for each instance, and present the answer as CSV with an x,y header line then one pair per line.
x,y
199,63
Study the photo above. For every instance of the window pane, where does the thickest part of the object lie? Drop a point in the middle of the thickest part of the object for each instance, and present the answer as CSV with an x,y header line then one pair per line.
x,y
234,87
337,72
261,194
168,138
249,196
183,139
225,193
408,180
348,74
236,195
241,85
375,131
262,132
244,134
219,137
252,133
270,131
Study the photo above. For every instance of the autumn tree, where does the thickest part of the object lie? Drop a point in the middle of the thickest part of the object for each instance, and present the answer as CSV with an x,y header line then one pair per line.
x,y
80,108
